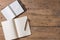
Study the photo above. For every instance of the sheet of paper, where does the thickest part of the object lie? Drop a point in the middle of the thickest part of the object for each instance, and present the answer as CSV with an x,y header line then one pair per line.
x,y
8,14
9,30
20,26
16,7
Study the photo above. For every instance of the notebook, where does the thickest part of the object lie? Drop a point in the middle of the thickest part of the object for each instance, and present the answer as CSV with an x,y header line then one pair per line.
x,y
12,10
16,28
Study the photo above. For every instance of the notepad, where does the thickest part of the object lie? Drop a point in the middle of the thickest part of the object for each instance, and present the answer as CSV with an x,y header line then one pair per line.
x,y
12,10
16,28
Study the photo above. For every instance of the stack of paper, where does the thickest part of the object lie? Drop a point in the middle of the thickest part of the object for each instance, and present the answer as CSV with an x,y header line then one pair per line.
x,y
16,28
13,10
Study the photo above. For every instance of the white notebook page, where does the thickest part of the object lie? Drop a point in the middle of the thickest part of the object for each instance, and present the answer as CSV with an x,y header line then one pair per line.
x,y
9,30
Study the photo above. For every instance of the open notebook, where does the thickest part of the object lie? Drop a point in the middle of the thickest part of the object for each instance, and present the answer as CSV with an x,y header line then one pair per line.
x,y
16,28
12,10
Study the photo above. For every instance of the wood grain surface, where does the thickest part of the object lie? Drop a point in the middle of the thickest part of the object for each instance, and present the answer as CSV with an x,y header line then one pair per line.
x,y
43,15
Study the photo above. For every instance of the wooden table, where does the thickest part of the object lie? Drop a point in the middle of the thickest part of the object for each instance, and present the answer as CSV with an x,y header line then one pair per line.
x,y
43,15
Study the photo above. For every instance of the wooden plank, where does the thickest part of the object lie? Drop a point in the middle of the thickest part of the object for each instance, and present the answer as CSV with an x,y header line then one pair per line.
x,y
43,13
40,33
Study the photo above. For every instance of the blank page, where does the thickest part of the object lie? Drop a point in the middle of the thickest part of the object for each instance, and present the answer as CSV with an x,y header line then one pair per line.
x,y
9,30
